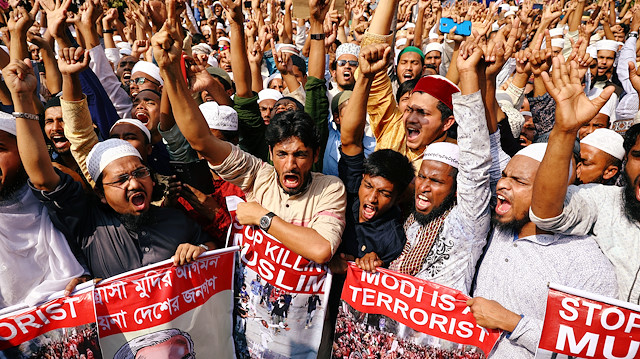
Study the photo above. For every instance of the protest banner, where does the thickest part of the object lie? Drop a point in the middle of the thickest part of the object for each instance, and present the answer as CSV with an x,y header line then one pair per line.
x,y
162,308
64,327
388,312
281,297
586,325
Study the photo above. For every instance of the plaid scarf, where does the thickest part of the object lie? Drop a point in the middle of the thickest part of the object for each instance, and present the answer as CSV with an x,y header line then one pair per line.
x,y
412,257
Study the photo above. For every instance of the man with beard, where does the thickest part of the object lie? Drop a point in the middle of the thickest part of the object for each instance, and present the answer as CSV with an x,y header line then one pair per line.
x,y
345,65
303,210
521,259
53,128
611,213
449,224
36,259
433,58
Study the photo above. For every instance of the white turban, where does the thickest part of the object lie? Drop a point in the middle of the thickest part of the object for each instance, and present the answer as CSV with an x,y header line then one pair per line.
x,y
105,152
223,118
433,46
219,26
591,50
607,141
224,38
7,123
557,43
149,69
558,31
136,123
444,152
268,80
608,45
269,94
534,151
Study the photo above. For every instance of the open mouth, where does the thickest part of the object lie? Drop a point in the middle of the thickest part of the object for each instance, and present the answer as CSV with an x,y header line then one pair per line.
x,y
291,181
503,205
422,203
138,201
59,141
368,211
142,116
126,75
412,133
347,75
407,76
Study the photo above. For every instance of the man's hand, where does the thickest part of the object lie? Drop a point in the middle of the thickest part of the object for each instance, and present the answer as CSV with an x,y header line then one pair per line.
x,y
249,213
468,57
318,9
186,253
56,16
20,20
374,58
634,76
74,282
72,61
139,47
492,315
109,17
234,11
166,47
19,77
338,263
283,62
573,108
635,21
369,262
204,204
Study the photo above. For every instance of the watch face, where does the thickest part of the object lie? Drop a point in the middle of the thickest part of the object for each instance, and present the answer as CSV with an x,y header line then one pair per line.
x,y
264,222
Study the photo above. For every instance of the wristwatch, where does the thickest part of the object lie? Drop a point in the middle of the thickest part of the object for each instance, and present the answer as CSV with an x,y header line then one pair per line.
x,y
265,221
317,36
632,34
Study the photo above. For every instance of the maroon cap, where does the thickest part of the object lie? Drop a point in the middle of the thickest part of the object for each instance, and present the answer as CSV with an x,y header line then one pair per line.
x,y
439,87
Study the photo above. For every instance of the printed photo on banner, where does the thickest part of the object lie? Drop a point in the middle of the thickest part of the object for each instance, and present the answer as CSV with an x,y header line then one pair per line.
x,y
161,309
280,298
580,324
64,327
398,316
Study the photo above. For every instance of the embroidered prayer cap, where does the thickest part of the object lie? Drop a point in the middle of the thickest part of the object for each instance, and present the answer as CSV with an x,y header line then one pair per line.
x,y
433,46
136,123
439,87
223,118
268,80
608,45
149,69
105,152
444,152
534,151
607,141
269,94
201,49
7,123
591,50
347,49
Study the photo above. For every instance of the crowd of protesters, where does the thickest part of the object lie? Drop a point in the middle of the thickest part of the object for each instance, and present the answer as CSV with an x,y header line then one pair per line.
x,y
492,148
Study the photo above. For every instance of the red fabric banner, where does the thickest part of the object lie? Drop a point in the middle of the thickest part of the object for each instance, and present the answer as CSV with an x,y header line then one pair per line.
x,y
426,307
589,328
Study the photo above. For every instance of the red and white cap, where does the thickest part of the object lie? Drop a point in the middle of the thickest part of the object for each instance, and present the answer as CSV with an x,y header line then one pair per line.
x,y
439,87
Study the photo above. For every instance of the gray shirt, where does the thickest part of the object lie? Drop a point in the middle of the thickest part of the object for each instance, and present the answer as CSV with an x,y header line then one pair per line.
x,y
515,272
452,259
599,209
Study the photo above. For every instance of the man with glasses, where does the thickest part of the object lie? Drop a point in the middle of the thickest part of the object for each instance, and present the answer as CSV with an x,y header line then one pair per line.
x,y
144,76
343,69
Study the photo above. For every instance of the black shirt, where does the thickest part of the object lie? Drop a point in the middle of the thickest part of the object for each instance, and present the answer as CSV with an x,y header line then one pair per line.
x,y
97,231
384,235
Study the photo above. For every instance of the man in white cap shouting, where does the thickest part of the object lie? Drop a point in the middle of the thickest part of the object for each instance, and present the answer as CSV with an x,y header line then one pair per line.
x,y
520,259
344,67
601,154
605,75
144,76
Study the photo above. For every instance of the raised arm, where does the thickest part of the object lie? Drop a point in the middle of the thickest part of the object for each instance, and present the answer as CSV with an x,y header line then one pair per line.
x,y
240,68
573,109
317,11
21,80
373,58
190,120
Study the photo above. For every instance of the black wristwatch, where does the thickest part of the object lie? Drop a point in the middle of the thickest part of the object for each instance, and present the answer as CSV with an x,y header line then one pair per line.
x,y
317,36
265,221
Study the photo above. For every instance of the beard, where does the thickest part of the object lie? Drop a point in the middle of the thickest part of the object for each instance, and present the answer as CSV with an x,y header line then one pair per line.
x,y
135,222
512,225
631,203
424,219
7,191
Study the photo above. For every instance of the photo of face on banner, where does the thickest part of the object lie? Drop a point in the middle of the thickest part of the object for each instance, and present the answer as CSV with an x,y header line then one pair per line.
x,y
359,335
168,343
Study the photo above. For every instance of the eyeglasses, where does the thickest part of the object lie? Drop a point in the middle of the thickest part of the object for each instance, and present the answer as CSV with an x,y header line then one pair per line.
x,y
138,174
141,80
352,63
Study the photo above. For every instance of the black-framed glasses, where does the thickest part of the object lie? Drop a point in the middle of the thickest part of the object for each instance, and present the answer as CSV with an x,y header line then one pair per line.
x,y
141,80
352,63
138,174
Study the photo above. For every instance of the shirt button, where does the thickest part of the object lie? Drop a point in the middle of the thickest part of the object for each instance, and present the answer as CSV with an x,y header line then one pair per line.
x,y
146,249
515,244
363,247
144,233
286,205
506,259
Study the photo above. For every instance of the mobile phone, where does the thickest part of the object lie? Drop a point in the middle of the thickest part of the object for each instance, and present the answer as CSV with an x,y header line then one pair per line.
x,y
183,67
196,174
247,4
282,5
463,28
41,68
596,12
537,6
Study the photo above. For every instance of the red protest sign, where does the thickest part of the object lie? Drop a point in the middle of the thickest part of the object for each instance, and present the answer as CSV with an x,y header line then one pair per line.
x,y
590,326
275,263
426,307
64,324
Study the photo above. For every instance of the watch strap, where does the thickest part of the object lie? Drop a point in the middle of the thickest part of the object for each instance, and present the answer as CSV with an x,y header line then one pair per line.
x,y
28,116
317,36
